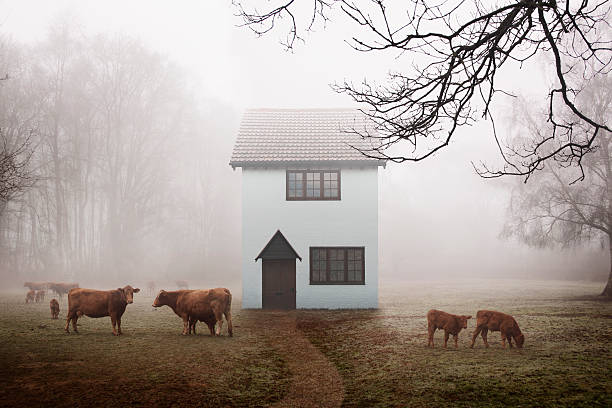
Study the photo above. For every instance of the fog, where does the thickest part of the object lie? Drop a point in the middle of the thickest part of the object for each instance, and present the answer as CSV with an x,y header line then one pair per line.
x,y
133,109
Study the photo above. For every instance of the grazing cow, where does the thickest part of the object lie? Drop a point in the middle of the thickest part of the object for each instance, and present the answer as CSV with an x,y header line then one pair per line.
x,y
40,296
62,288
496,321
450,323
99,303
181,284
35,285
30,296
207,306
54,306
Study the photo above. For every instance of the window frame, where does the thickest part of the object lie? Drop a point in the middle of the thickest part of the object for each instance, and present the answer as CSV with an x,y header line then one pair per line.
x,y
327,265
321,196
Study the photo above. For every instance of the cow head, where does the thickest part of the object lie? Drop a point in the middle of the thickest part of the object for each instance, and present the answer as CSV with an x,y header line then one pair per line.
x,y
128,292
463,320
161,299
520,339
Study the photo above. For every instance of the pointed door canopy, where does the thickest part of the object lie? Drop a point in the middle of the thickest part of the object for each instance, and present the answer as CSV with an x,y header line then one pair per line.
x,y
278,248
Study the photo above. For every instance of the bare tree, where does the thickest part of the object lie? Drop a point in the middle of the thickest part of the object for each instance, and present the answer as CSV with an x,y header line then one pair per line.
x,y
117,151
549,210
15,173
457,49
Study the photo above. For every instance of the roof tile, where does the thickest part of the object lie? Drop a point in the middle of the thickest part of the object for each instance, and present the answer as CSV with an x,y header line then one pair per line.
x,y
301,135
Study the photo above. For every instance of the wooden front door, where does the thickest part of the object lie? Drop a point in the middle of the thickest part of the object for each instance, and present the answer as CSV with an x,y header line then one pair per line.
x,y
278,283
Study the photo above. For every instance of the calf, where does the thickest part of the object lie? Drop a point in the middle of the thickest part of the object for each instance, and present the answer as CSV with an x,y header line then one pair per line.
x,y
30,296
450,323
496,321
40,296
54,306
99,303
207,306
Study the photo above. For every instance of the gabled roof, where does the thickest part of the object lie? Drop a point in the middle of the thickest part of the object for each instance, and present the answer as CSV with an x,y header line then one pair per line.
x,y
278,248
284,136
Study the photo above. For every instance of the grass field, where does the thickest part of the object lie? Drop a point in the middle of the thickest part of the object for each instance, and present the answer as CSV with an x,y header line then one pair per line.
x,y
381,355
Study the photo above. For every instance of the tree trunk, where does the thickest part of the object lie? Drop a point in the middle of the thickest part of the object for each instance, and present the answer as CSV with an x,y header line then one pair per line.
x,y
607,292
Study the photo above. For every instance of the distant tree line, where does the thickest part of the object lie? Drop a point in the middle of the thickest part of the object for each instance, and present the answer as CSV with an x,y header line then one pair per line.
x,y
109,150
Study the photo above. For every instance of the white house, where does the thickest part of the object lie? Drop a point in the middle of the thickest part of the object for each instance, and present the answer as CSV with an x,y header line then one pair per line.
x,y
309,210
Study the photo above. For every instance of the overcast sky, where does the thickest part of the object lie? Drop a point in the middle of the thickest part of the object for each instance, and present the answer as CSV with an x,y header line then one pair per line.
x,y
438,203
232,63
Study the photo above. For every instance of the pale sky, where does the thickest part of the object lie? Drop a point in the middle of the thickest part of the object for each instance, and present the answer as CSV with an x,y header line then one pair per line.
x,y
438,203
202,36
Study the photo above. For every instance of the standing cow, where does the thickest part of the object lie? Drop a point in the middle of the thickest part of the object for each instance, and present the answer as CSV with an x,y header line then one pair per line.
x,y
62,288
54,306
30,296
40,296
450,323
207,306
99,303
35,285
497,321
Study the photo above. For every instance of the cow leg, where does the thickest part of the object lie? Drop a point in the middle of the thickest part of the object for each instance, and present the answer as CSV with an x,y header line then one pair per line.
x,y
230,327
68,318
192,325
218,317
509,341
484,336
455,336
503,336
445,338
211,328
431,331
119,325
74,322
476,333
185,325
114,323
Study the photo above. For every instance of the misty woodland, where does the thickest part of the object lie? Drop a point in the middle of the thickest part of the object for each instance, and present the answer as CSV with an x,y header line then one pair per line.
x,y
335,189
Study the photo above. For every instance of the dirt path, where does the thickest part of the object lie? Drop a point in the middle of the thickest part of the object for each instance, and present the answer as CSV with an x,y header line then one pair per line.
x,y
315,380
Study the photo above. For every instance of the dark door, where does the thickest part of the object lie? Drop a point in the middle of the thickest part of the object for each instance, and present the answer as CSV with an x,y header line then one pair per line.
x,y
278,283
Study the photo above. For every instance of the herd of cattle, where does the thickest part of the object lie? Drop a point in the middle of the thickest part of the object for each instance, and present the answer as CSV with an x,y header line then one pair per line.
x,y
38,290
210,305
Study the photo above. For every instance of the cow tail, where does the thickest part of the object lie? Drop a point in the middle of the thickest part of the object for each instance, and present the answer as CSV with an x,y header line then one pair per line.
x,y
228,313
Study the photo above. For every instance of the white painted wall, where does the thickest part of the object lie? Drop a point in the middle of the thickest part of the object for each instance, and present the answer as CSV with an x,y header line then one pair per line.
x,y
352,221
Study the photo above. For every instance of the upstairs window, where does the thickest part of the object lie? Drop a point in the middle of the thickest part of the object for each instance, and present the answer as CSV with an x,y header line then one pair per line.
x,y
313,185
337,266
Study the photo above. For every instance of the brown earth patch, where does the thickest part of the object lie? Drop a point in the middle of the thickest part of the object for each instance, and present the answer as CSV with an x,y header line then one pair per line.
x,y
315,380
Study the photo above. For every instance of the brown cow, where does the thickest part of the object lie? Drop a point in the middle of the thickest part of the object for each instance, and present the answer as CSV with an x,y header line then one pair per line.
x,y
99,303
496,321
62,288
35,285
54,306
30,296
40,296
450,323
207,306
